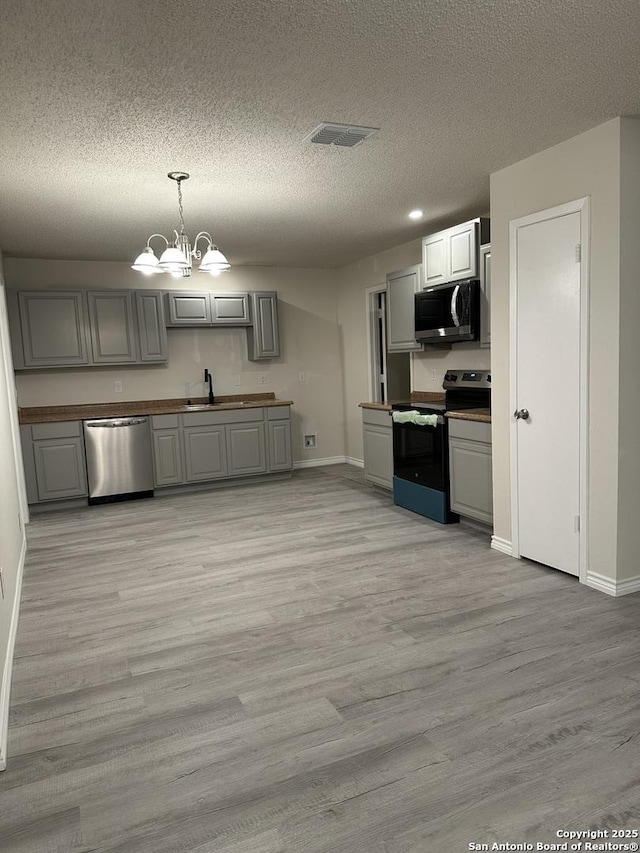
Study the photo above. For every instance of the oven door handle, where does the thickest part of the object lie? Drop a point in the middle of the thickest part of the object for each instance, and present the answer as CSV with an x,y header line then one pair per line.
x,y
454,305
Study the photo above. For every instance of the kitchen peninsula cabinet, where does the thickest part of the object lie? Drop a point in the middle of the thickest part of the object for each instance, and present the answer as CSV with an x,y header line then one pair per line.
x,y
53,329
377,437
402,286
470,477
54,461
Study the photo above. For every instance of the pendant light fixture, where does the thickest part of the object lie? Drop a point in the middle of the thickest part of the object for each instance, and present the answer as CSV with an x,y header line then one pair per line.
x,y
177,255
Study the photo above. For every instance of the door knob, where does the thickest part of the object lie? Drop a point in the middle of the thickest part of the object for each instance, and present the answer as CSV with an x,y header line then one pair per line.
x,y
521,414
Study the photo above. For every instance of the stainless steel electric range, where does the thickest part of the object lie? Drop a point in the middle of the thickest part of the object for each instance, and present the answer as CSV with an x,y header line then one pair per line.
x,y
421,451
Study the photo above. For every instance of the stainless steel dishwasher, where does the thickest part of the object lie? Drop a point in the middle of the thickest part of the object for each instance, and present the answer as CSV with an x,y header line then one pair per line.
x,y
119,459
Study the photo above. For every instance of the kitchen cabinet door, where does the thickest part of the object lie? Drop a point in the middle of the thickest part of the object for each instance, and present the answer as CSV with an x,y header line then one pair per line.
x,y
463,251
230,309
280,445
246,451
377,439
113,331
188,308
263,335
470,474
151,327
53,328
205,452
168,469
435,259
60,468
485,296
401,289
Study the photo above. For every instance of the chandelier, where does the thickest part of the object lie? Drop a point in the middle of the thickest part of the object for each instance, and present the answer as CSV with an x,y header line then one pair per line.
x,y
177,255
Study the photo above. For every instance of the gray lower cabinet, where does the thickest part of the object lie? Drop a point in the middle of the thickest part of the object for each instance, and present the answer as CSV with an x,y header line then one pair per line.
x,y
211,445
168,464
470,476
86,328
279,439
263,340
205,452
54,461
377,439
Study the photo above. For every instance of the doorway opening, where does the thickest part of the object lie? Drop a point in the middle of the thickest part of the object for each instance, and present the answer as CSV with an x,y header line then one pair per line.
x,y
389,372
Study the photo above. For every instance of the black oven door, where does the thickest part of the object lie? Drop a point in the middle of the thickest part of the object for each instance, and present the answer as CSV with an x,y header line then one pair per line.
x,y
420,454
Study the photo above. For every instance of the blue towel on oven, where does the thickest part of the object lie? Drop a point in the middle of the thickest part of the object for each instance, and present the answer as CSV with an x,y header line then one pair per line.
x,y
414,417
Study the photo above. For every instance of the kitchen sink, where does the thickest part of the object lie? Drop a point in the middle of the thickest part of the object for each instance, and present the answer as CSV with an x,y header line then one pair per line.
x,y
199,407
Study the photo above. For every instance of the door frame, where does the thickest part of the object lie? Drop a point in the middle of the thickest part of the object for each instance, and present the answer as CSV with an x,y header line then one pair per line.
x,y
580,206
372,339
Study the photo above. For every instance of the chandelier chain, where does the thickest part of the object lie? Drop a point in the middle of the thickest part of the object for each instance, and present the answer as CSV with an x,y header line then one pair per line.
x,y
180,208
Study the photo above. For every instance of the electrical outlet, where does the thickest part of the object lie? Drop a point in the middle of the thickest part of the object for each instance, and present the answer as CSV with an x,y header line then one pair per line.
x,y
118,385
433,373
236,380
302,376
1,582
262,379
309,441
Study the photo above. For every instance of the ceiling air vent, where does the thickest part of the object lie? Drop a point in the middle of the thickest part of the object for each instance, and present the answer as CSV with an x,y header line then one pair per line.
x,y
344,135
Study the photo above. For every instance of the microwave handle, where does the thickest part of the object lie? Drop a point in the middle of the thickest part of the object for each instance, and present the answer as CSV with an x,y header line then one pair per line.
x,y
454,305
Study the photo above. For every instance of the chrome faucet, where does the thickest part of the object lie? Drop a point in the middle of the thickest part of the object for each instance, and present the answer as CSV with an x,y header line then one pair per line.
x,y
209,378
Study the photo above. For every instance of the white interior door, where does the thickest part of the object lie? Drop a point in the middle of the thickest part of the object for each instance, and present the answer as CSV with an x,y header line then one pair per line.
x,y
546,429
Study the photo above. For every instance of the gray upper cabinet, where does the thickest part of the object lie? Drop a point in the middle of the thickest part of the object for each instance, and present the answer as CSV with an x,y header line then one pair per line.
x,y
53,328
485,296
263,339
75,328
113,333
230,309
152,330
453,254
401,289
188,308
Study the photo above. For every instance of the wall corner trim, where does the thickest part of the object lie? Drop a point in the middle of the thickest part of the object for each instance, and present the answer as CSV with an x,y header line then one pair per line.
x,y
351,460
502,545
5,687
611,586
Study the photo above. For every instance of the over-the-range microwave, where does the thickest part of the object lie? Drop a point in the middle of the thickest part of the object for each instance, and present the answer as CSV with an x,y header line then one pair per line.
x,y
446,313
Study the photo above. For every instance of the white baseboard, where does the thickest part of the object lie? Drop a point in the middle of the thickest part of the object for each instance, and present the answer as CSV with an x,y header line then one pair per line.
x,y
611,586
316,463
502,545
351,460
5,689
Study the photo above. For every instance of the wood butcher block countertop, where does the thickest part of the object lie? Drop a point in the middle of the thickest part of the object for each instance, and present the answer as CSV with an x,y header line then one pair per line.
x,y
72,412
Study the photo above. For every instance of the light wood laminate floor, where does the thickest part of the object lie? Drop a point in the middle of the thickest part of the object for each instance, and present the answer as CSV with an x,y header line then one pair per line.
x,y
300,666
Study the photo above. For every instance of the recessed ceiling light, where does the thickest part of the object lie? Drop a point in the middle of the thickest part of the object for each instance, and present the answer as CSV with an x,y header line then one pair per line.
x,y
416,214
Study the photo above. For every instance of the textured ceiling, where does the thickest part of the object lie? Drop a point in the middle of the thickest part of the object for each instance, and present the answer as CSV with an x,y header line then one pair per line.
x,y
101,98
